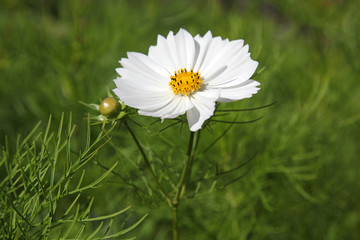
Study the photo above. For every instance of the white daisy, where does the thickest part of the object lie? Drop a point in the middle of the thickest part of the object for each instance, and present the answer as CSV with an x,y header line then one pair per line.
x,y
185,74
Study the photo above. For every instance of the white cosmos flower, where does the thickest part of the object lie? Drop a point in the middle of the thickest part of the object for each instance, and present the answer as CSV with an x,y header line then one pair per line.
x,y
185,74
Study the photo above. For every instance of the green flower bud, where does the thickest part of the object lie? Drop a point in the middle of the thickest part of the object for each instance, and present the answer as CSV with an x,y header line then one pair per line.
x,y
109,107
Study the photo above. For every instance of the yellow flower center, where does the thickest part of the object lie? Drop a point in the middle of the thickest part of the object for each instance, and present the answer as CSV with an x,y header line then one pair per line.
x,y
184,82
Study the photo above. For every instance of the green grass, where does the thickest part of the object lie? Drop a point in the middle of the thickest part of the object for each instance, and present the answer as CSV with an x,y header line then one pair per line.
x,y
303,178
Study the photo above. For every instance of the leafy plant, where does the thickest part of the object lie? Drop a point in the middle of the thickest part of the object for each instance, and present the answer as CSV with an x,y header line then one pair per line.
x,y
42,182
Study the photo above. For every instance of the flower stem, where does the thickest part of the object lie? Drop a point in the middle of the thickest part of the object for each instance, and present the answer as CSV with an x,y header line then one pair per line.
x,y
175,228
147,162
195,145
183,178
181,186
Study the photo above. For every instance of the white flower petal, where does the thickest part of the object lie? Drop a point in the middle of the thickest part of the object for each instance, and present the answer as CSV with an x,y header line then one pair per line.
x,y
221,54
185,48
209,63
204,103
143,82
241,91
193,117
231,62
174,52
184,105
162,55
209,49
171,45
201,46
143,102
141,63
241,70
177,106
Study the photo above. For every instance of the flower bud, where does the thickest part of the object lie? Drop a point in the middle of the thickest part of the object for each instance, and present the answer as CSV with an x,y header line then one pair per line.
x,y
109,107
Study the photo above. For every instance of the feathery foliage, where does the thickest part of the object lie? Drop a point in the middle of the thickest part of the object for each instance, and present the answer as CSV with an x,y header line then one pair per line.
x,y
42,182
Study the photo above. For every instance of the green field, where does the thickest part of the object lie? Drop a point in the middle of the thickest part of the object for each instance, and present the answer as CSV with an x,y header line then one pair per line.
x,y
294,174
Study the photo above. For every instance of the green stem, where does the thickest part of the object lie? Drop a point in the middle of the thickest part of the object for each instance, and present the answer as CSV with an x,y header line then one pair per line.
x,y
147,162
183,179
195,145
181,187
175,228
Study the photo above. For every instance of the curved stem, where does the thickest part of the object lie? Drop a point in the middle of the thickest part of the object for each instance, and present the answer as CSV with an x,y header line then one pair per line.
x,y
147,162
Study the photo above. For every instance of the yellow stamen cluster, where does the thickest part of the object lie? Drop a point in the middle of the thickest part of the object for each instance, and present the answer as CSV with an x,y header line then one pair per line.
x,y
184,82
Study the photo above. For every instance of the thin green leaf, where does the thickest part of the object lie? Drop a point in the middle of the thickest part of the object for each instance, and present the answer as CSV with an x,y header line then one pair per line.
x,y
86,213
19,213
125,230
233,122
81,179
109,226
96,231
217,139
94,182
246,109
74,219
79,234
87,143
68,146
106,217
72,205
26,139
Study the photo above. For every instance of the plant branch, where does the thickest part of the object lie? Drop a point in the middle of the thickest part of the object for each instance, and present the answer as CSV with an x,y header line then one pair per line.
x,y
147,162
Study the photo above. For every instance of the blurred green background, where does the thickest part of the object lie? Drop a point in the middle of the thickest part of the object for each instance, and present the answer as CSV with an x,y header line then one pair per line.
x,y
303,180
